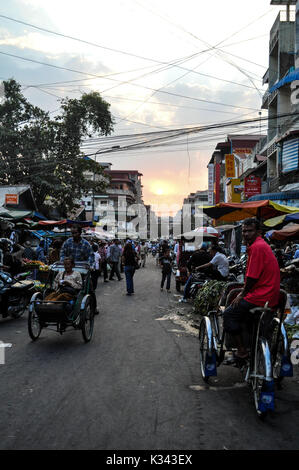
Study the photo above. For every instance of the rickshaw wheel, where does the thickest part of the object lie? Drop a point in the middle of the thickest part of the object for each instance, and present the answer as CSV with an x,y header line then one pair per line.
x,y
87,321
34,326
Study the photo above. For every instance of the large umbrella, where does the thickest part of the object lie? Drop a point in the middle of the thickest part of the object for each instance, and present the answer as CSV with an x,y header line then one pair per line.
x,y
283,219
232,212
287,232
203,232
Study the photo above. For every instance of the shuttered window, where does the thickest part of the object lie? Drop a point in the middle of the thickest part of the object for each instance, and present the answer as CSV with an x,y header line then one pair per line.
x,y
290,155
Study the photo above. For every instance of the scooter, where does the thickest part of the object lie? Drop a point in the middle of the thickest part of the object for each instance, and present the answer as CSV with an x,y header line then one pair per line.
x,y
15,294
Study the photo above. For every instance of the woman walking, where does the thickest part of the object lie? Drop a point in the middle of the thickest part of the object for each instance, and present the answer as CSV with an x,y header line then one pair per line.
x,y
129,259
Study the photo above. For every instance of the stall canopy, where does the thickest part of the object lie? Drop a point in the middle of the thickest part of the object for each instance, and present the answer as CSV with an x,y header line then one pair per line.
x,y
64,222
285,233
232,212
283,219
13,214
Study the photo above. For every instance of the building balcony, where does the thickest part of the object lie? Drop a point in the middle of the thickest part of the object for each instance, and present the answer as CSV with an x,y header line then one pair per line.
x,y
282,180
121,192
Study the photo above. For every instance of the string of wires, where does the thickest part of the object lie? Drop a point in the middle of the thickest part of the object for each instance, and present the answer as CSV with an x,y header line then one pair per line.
x,y
154,139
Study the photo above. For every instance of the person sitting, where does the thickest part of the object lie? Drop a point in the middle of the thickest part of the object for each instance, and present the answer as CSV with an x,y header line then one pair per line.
x,y
262,284
67,283
199,258
218,266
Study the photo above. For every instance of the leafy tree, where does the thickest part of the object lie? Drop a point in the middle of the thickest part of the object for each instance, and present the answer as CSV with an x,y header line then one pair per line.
x,y
45,153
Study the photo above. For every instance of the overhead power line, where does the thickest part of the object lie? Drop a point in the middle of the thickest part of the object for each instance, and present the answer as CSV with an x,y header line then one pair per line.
x,y
162,136
133,84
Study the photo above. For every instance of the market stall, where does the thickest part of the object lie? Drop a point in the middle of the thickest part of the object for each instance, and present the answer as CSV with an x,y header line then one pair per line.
x,y
233,212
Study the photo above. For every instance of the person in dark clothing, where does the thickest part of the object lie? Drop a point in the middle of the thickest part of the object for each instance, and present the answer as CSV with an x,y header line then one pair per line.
x,y
129,260
166,263
199,257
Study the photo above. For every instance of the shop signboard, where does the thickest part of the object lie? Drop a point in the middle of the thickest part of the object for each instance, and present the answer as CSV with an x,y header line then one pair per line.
x,y
11,199
234,190
252,186
217,183
211,184
230,166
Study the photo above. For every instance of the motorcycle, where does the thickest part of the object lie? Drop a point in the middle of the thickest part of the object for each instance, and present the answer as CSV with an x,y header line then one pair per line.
x,y
290,276
15,294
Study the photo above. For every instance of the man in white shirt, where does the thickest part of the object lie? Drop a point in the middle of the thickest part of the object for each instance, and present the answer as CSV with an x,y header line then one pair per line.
x,y
219,264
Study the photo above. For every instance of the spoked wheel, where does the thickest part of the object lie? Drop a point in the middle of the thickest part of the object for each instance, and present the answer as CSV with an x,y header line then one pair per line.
x,y
23,302
277,355
260,372
34,326
87,321
205,352
280,354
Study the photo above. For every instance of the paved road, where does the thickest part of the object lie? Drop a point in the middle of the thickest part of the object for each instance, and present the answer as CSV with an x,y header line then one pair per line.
x,y
136,386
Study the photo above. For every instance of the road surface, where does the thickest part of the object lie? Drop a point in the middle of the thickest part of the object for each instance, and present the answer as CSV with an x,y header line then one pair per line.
x,y
135,386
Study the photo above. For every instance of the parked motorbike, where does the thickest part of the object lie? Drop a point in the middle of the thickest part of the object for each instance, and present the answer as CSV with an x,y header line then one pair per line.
x,y
15,294
290,276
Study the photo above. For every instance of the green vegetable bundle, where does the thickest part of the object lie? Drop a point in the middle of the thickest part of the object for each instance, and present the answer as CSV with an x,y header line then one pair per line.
x,y
208,296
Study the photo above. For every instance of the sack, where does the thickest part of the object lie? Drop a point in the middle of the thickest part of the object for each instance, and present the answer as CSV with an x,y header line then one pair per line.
x,y
68,290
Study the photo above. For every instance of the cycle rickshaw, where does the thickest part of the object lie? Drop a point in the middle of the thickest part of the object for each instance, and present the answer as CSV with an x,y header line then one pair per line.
x,y
63,315
264,335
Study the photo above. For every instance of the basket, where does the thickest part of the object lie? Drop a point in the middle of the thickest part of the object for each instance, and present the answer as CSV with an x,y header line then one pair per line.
x,y
42,276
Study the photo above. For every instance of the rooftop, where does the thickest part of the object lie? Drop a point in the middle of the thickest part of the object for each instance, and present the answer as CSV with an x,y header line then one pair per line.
x,y
283,2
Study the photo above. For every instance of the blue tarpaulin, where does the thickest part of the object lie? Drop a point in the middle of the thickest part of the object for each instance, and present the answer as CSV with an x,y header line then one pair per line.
x,y
291,77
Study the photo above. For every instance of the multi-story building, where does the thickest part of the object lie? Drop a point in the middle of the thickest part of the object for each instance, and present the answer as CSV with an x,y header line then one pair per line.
x,y
281,99
124,191
223,188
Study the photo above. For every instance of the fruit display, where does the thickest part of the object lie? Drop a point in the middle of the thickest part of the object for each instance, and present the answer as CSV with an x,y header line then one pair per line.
x,y
36,264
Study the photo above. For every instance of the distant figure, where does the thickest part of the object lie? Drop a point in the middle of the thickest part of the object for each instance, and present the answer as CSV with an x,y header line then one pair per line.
x,y
54,252
166,263
129,259
114,256
143,253
103,261
96,271
28,251
40,252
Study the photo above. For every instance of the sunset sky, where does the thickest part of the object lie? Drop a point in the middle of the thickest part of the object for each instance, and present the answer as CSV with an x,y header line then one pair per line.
x,y
161,64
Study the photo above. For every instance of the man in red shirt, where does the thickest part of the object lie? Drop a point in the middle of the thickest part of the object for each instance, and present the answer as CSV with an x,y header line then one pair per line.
x,y
262,283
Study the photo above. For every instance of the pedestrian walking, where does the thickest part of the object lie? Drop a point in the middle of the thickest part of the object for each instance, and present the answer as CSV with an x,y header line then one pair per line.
x,y
129,259
103,261
166,264
40,252
143,253
95,273
114,257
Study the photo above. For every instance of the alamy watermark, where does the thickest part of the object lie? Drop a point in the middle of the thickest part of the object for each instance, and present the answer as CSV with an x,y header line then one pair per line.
x,y
122,220
295,352
3,346
2,92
